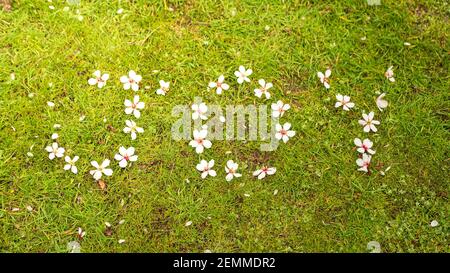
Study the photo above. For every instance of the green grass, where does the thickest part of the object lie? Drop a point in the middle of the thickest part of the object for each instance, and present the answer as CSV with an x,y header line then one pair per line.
x,y
323,203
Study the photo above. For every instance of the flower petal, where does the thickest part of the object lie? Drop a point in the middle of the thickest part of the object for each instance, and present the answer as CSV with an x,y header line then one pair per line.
x,y
108,172
123,163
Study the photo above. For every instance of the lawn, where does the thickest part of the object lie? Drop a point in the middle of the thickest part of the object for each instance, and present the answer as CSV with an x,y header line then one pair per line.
x,y
317,201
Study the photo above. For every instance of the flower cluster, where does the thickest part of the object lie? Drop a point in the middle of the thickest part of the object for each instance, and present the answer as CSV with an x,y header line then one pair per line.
x,y
200,141
125,155
364,147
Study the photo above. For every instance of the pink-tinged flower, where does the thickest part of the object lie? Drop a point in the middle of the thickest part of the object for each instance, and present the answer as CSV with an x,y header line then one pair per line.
x,y
324,78
55,151
368,122
71,164
132,81
132,128
231,170
133,107
364,162
243,74
381,103
206,168
99,80
389,74
100,169
364,146
279,108
163,88
125,155
344,101
263,89
200,142
261,173
283,132
199,111
219,85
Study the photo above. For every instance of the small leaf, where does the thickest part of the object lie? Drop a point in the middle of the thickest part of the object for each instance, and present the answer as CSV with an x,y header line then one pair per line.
x,y
108,231
102,185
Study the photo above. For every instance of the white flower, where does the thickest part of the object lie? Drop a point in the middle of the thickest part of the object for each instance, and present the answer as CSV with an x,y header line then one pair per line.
x,y
206,168
199,111
120,11
242,74
231,169
381,103
434,223
134,106
389,74
325,78
132,81
99,80
54,150
50,104
261,173
199,142
364,162
71,164
81,233
55,136
283,132
263,89
344,101
125,155
100,169
121,241
219,85
368,122
132,128
164,88
279,108
364,146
